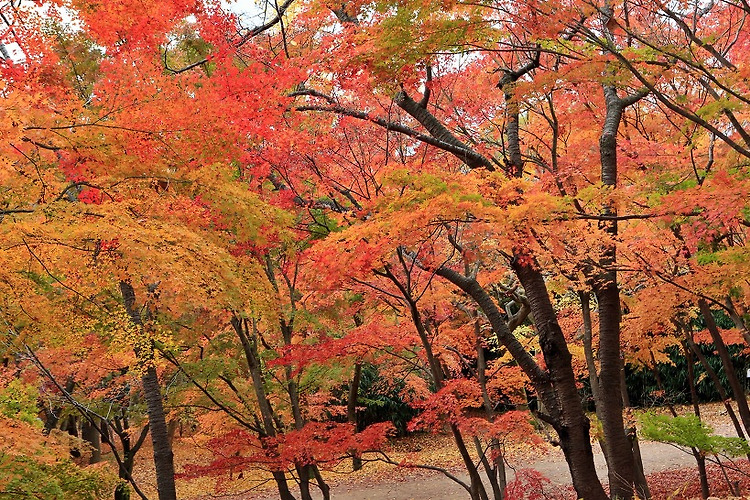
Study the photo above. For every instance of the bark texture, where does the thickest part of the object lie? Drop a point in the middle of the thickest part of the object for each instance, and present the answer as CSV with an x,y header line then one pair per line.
x,y
163,456
556,386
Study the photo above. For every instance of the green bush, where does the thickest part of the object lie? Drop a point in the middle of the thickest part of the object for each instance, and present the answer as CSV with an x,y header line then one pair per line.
x,y
690,432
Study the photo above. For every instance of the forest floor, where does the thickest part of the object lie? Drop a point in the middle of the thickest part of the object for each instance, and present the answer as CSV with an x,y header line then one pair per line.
x,y
671,471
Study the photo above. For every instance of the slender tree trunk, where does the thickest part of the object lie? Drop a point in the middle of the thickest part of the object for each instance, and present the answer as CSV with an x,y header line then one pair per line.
x,y
52,416
736,317
122,492
304,481
172,427
163,456
641,484
476,489
105,434
495,469
304,470
717,384
588,346
726,361
351,410
700,460
246,333
324,488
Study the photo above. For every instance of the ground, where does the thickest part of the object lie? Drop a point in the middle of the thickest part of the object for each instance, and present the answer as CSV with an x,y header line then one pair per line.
x,y
672,468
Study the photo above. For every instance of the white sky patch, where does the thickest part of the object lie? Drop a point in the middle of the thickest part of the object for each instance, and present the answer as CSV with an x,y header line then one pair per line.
x,y
250,13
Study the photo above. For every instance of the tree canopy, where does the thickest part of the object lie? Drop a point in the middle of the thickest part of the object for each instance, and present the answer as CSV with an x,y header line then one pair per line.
x,y
227,218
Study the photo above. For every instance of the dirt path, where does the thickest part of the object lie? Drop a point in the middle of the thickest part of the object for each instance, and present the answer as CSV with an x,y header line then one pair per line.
x,y
427,485
435,486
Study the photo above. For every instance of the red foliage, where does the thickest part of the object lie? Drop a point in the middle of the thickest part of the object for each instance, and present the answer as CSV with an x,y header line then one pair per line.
x,y
684,484
530,484
318,443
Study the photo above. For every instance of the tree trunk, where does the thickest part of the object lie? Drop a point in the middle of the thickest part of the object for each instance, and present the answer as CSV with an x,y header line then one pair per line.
x,y
495,468
604,284
556,386
163,456
91,435
476,489
726,361
610,409
588,347
563,404
303,472
282,486
351,410
717,385
122,492
700,460
242,328
324,488
105,434
641,484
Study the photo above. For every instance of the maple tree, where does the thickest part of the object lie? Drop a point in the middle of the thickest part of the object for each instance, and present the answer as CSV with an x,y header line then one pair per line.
x,y
451,191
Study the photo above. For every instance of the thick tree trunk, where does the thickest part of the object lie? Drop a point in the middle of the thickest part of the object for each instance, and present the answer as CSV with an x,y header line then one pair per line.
x,y
163,456
604,284
512,112
563,404
610,409
555,387
91,435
